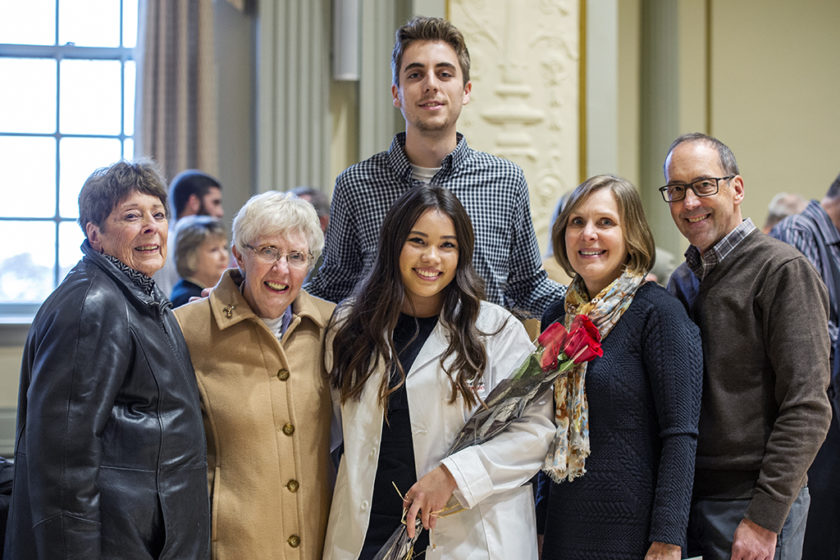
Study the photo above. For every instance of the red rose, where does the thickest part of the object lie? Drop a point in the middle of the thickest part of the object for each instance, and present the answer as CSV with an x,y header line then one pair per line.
x,y
584,340
552,340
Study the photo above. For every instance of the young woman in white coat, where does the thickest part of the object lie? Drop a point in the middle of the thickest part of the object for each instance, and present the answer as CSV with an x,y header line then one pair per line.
x,y
410,355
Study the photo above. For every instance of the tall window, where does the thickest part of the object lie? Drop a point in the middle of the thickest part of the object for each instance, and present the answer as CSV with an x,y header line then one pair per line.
x,y
66,108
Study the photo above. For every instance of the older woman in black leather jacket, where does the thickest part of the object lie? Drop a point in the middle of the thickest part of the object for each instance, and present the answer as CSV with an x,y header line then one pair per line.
x,y
110,458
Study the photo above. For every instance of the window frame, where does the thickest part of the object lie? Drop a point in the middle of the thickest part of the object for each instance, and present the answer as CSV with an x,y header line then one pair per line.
x,y
22,313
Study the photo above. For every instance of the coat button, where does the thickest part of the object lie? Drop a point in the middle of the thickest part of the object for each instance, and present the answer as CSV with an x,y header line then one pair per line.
x,y
283,374
365,505
294,541
288,429
293,485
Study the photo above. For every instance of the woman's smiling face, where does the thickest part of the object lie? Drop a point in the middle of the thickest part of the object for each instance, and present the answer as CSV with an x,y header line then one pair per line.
x,y
595,244
271,286
135,232
211,260
428,261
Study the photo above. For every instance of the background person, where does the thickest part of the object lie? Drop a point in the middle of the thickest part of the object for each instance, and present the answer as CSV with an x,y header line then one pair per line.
x,y
781,206
319,201
638,404
422,304
762,312
816,233
256,345
201,256
192,193
322,207
109,456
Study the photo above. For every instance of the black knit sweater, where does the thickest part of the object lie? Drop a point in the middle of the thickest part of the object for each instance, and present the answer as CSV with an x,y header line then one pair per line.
x,y
644,403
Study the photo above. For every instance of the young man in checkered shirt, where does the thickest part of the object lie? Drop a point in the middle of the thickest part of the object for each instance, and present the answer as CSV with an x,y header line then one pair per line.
x,y
430,65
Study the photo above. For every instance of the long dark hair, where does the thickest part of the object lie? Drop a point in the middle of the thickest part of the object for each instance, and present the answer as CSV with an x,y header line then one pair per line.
x,y
364,332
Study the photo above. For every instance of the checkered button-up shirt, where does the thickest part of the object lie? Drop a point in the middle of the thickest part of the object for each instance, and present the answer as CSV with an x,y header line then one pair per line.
x,y
492,190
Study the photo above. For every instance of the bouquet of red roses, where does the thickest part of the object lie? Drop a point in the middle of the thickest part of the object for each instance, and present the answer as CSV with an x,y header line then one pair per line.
x,y
557,351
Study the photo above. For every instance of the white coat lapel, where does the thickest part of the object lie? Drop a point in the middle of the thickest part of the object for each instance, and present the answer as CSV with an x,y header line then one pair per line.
x,y
434,346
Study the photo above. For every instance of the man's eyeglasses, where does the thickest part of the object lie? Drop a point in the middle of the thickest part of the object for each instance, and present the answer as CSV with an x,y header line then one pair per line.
x,y
271,254
706,186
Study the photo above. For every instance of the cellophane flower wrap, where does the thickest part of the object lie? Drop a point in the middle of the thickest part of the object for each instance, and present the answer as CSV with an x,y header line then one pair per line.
x,y
558,350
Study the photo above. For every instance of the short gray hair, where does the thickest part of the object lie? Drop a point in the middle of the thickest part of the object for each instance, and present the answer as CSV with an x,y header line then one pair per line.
x,y
190,233
277,213
727,158
108,186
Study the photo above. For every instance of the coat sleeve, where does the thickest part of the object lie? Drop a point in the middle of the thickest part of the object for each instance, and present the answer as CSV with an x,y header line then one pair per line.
x,y
673,361
794,311
188,318
71,391
336,428
512,457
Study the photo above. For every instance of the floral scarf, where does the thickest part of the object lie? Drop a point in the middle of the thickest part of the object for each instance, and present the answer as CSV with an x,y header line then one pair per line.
x,y
570,447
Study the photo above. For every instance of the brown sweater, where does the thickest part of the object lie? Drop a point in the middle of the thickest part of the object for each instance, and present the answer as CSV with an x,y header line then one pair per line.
x,y
762,314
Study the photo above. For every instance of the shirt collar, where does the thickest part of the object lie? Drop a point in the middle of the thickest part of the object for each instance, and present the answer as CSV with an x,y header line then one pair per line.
x,y
703,264
402,166
139,279
279,325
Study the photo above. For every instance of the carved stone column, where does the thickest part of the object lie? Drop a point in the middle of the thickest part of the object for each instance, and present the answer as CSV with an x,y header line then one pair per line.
x,y
524,106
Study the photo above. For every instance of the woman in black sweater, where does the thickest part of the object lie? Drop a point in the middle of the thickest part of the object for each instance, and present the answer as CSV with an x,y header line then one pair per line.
x,y
628,420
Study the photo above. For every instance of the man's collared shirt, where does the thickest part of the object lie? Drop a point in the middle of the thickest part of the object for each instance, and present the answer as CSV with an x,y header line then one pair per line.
x,y
806,231
495,196
702,265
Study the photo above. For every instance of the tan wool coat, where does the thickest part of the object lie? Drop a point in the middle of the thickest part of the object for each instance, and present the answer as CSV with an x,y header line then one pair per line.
x,y
266,408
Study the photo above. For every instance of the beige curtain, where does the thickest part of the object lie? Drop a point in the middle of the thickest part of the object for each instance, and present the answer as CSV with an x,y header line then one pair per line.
x,y
177,123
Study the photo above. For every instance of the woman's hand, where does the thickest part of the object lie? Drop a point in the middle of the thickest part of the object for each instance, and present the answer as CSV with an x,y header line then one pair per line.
x,y
428,495
663,551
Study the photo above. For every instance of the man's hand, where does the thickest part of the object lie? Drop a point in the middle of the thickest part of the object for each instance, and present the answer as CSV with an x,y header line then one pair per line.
x,y
663,551
752,542
428,495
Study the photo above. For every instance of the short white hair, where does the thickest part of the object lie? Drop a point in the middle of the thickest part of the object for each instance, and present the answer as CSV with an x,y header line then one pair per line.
x,y
276,213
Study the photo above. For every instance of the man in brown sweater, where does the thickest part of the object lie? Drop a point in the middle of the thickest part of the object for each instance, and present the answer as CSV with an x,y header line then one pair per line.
x,y
762,311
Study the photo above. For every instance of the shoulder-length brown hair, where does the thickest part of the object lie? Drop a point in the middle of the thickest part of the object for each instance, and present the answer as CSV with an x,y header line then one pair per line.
x,y
641,249
364,334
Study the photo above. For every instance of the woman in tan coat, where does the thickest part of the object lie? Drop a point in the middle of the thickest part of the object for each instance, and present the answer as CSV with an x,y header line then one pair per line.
x,y
256,345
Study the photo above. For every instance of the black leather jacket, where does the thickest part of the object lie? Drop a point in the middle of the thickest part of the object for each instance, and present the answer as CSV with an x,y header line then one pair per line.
x,y
110,457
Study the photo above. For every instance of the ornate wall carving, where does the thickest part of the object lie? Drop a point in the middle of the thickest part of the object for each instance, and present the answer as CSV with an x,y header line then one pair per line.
x,y
524,106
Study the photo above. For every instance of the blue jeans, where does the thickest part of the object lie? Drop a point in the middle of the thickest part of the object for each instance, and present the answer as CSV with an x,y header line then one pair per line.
x,y
712,525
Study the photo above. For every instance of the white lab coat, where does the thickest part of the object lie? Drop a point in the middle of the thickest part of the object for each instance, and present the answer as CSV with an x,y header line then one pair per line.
x,y
500,521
